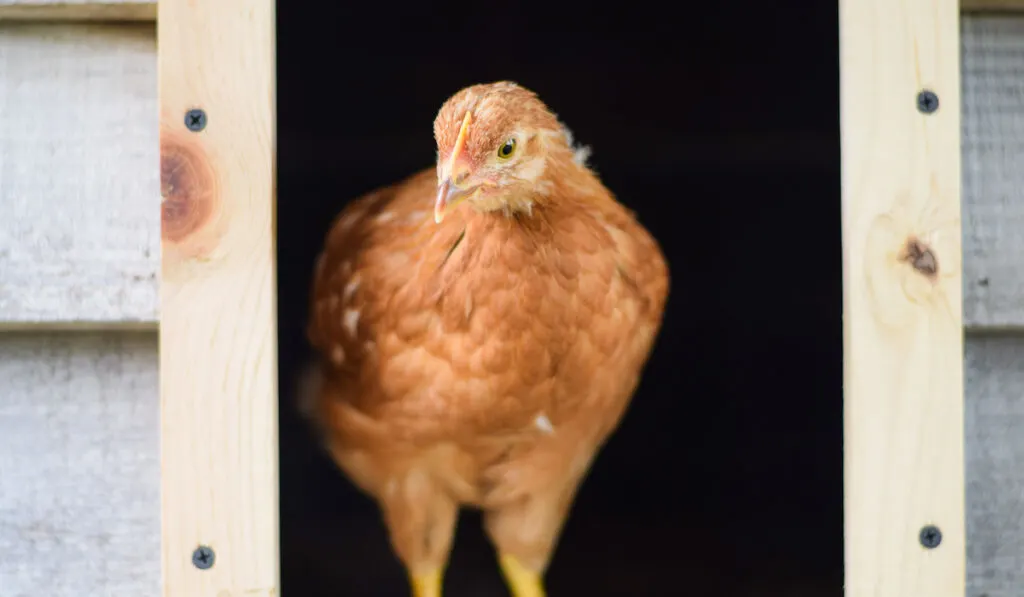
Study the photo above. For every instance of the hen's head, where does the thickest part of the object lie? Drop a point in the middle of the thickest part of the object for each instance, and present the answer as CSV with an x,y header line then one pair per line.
x,y
494,144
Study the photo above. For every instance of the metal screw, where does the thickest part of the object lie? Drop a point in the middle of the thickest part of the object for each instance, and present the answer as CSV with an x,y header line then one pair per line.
x,y
927,101
195,120
203,557
930,536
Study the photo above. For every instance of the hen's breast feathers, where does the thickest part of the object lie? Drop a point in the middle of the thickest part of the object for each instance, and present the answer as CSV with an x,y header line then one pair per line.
x,y
481,322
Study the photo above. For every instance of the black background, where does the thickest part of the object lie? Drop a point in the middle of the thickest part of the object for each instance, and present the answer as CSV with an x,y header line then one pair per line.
x,y
718,125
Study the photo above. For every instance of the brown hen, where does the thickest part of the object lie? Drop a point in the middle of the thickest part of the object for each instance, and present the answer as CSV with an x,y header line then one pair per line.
x,y
483,327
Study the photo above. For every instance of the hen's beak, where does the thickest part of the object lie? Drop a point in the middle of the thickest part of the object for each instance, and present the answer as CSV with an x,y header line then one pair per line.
x,y
448,196
451,192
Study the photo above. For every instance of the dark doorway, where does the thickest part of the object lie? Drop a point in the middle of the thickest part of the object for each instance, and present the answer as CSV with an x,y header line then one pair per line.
x,y
719,127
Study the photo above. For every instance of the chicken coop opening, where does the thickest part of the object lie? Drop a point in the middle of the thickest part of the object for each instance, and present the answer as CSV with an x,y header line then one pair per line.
x,y
719,128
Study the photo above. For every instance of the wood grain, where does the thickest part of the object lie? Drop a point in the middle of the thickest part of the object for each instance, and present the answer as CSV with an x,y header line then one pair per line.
x,y
79,467
218,340
903,346
79,236
78,10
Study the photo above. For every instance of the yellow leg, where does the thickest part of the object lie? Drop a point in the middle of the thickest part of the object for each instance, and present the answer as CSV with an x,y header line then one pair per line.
x,y
521,581
427,585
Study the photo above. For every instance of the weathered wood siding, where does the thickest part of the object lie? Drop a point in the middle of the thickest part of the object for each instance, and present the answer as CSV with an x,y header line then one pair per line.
x,y
79,244
993,179
994,455
79,248
79,175
78,10
79,465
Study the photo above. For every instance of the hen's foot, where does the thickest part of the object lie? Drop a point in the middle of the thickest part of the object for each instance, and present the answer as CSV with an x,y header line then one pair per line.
x,y
427,585
522,582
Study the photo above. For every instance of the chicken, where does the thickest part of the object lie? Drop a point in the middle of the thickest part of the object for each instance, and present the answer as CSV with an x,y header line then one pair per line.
x,y
480,355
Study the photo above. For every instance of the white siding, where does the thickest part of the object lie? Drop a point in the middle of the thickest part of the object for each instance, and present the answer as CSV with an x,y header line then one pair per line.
x,y
79,175
79,465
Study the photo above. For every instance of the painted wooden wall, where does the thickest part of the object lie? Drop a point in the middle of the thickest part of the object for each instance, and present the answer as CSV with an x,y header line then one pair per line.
x,y
79,256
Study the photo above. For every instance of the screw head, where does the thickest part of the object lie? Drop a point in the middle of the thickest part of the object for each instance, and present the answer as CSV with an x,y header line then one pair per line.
x,y
930,536
203,557
927,101
195,120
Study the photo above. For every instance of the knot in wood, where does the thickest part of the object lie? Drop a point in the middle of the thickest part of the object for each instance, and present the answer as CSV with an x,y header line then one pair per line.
x,y
188,187
921,257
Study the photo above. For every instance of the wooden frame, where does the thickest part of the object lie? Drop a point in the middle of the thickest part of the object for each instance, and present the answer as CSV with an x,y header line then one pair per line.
x,y
903,334
78,10
218,336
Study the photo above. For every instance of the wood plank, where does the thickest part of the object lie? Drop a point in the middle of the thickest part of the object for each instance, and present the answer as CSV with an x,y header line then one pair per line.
x,y
903,347
218,340
79,468
995,465
993,150
79,240
77,10
991,5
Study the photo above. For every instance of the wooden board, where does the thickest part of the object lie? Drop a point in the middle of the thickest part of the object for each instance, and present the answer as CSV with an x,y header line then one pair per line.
x,y
79,467
218,340
993,151
991,5
78,10
995,465
903,347
79,242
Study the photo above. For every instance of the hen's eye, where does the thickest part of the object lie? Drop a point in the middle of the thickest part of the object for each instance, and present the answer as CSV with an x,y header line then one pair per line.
x,y
507,149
